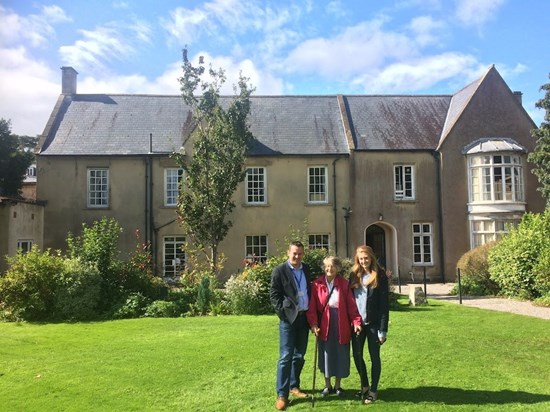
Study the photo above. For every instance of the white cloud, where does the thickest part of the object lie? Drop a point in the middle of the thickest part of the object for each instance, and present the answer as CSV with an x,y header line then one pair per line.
x,y
476,12
185,25
426,30
35,28
419,74
105,43
336,8
264,81
355,50
31,92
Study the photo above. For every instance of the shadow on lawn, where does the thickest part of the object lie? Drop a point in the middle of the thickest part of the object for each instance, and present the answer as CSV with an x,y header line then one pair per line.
x,y
458,396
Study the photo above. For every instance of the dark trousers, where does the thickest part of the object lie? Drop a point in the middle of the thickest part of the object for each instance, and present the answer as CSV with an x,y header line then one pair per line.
x,y
370,335
292,349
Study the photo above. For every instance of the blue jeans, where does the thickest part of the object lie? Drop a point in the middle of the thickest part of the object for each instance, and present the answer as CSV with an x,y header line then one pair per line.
x,y
292,349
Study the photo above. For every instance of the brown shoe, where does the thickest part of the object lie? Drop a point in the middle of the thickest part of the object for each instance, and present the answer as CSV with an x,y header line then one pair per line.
x,y
281,403
298,393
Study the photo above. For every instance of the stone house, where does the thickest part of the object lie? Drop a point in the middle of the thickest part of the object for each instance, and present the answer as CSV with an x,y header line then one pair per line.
x,y
421,178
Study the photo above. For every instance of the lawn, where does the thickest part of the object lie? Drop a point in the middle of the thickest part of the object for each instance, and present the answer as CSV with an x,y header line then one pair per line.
x,y
438,357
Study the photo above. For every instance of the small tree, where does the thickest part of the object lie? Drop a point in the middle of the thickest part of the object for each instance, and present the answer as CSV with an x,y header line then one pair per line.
x,y
221,138
15,158
541,155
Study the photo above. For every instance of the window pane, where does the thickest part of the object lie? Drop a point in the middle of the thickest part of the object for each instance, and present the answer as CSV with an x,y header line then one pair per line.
x,y
317,185
422,243
318,242
98,187
255,185
174,256
403,182
173,182
256,248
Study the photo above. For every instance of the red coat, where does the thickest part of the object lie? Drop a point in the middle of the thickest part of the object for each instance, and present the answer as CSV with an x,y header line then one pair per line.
x,y
347,310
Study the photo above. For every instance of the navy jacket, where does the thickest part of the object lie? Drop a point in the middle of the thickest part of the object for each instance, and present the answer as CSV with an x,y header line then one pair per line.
x,y
284,293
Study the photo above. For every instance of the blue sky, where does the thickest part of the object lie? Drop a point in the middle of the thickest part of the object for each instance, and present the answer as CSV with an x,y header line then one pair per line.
x,y
283,46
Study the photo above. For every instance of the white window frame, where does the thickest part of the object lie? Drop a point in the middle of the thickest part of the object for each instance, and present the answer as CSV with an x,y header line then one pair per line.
x,y
404,182
173,257
422,244
495,178
317,185
98,188
318,241
173,178
486,230
256,248
25,245
31,171
256,185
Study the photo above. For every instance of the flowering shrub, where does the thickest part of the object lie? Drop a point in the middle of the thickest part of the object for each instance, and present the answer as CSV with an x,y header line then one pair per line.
x,y
243,296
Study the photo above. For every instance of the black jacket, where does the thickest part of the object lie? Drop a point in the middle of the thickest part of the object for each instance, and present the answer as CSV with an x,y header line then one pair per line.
x,y
378,304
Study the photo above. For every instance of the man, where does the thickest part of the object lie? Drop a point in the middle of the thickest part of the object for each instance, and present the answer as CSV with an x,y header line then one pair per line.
x,y
289,294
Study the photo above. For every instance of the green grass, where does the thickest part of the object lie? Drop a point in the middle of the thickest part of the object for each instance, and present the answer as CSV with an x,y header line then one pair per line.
x,y
438,357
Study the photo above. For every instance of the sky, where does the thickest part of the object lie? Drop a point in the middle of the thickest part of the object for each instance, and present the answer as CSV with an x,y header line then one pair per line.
x,y
285,47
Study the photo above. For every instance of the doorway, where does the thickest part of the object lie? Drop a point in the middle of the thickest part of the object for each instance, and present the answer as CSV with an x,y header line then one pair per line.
x,y
376,239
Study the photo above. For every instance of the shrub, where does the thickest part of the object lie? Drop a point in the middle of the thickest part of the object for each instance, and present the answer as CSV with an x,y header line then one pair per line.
x,y
248,292
243,296
78,291
97,244
133,307
204,296
543,301
542,274
475,279
163,309
28,287
518,263
185,297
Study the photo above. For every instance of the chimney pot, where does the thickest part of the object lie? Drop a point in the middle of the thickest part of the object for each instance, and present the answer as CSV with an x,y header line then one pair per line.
x,y
68,80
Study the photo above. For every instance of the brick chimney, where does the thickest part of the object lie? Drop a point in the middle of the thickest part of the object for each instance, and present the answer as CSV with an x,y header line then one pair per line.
x,y
68,80
518,96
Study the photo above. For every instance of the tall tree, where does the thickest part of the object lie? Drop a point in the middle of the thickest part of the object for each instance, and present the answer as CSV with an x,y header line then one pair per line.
x,y
15,158
541,155
220,141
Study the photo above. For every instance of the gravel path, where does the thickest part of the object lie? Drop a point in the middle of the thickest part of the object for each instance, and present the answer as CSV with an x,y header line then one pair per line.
x,y
441,291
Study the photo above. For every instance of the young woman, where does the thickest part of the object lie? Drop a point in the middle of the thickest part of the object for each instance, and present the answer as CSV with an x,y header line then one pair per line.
x,y
370,288
331,312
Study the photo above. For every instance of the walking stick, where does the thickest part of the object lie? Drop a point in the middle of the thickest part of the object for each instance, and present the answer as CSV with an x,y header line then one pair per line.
x,y
314,374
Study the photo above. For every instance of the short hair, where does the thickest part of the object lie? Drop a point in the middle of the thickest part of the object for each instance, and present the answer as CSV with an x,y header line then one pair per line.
x,y
296,243
334,260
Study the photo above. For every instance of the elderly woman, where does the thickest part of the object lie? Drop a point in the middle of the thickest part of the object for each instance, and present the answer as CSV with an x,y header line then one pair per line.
x,y
332,310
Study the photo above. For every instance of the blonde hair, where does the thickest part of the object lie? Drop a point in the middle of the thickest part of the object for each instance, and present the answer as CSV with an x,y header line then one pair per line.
x,y
357,270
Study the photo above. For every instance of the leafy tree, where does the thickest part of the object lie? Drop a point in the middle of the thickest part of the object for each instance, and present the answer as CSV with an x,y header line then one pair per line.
x,y
14,159
221,139
541,155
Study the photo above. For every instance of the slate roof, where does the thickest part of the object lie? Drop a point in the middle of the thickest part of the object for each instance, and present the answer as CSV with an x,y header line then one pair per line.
x,y
397,122
99,124
102,124
297,125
